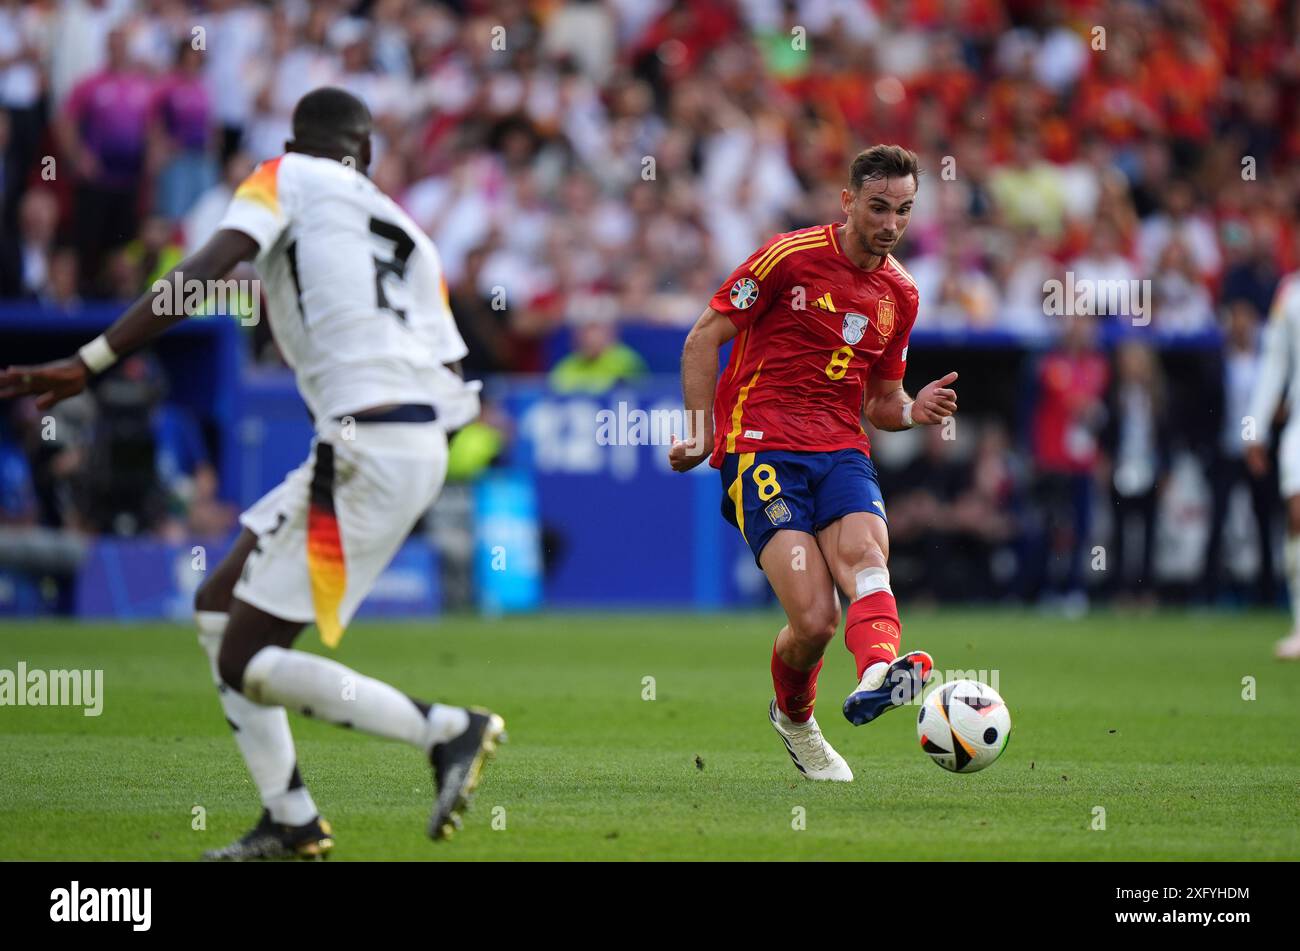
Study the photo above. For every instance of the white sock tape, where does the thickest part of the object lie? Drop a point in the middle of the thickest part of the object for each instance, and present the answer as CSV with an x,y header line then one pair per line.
x,y
97,355
871,580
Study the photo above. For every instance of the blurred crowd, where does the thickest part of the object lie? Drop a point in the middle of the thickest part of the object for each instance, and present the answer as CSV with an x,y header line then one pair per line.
x,y
583,164
1107,475
586,161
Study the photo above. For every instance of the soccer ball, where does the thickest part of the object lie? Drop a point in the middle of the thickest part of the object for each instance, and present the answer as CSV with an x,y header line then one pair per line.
x,y
964,726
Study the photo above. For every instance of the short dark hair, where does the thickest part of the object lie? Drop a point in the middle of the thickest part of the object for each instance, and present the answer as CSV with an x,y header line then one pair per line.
x,y
883,161
328,112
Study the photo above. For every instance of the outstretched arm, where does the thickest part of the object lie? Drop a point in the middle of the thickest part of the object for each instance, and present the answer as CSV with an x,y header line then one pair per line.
x,y
60,379
699,377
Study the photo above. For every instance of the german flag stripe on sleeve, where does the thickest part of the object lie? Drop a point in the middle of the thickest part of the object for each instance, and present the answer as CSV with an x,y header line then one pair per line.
x,y
261,186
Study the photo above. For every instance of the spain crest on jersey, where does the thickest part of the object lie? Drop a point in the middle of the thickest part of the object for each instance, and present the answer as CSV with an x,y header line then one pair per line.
x,y
885,316
778,513
855,325
743,293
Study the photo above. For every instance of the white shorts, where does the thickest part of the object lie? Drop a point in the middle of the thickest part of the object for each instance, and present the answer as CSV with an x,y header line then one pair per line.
x,y
1288,460
328,531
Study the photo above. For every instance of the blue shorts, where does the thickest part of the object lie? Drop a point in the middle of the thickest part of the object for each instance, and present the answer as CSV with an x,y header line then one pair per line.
x,y
765,492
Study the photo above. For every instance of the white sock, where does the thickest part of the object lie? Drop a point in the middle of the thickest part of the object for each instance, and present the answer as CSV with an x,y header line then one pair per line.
x,y
262,735
325,689
1292,551
790,725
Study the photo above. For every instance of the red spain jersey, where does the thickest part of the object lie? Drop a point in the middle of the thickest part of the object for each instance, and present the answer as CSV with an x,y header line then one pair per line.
x,y
813,328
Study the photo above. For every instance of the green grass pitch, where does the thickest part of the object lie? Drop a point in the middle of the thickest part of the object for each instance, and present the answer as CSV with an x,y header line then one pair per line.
x,y
1141,716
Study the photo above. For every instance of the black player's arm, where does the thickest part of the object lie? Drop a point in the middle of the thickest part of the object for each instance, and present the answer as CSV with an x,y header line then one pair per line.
x,y
699,378
149,317
152,314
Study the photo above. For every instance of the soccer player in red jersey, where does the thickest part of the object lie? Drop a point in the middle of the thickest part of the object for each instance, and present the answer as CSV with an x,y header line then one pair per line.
x,y
820,320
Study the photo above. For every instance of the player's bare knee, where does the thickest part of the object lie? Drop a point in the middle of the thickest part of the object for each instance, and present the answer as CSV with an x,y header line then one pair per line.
x,y
859,554
815,626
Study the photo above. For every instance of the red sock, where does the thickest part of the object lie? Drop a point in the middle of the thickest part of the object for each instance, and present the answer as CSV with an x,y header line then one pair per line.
x,y
873,631
796,690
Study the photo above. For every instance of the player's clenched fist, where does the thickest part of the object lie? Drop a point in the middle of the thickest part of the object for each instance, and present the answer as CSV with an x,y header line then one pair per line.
x,y
685,455
935,401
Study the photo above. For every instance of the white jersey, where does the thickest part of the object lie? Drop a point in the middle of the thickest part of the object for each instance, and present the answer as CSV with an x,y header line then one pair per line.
x,y
1279,367
357,300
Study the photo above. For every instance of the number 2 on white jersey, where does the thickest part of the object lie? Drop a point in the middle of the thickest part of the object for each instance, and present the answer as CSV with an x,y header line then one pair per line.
x,y
397,248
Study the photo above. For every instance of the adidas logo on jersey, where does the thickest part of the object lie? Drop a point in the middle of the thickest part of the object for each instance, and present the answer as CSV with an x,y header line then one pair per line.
x,y
824,302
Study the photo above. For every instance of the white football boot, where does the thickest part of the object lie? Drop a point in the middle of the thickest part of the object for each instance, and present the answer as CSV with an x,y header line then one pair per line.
x,y
1289,647
812,755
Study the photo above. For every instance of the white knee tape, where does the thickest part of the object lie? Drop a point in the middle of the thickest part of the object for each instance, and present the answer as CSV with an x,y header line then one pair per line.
x,y
871,580
211,625
258,672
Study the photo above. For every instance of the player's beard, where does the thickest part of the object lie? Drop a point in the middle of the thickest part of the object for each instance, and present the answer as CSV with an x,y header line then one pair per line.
x,y
882,246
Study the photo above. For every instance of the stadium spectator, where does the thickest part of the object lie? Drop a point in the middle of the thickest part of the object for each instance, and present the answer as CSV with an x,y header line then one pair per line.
x,y
1022,267
25,255
301,61
1029,191
17,500
1181,301
236,35
483,320
960,504
210,207
22,91
1068,416
919,494
183,135
186,472
103,131
600,361
146,259
120,486
1178,221
478,446
957,289
62,289
1136,441
1250,268
57,447
1104,265
77,30
1228,471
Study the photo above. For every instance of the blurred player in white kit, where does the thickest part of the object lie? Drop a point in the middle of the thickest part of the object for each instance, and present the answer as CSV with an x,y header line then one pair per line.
x,y
1280,371
358,308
